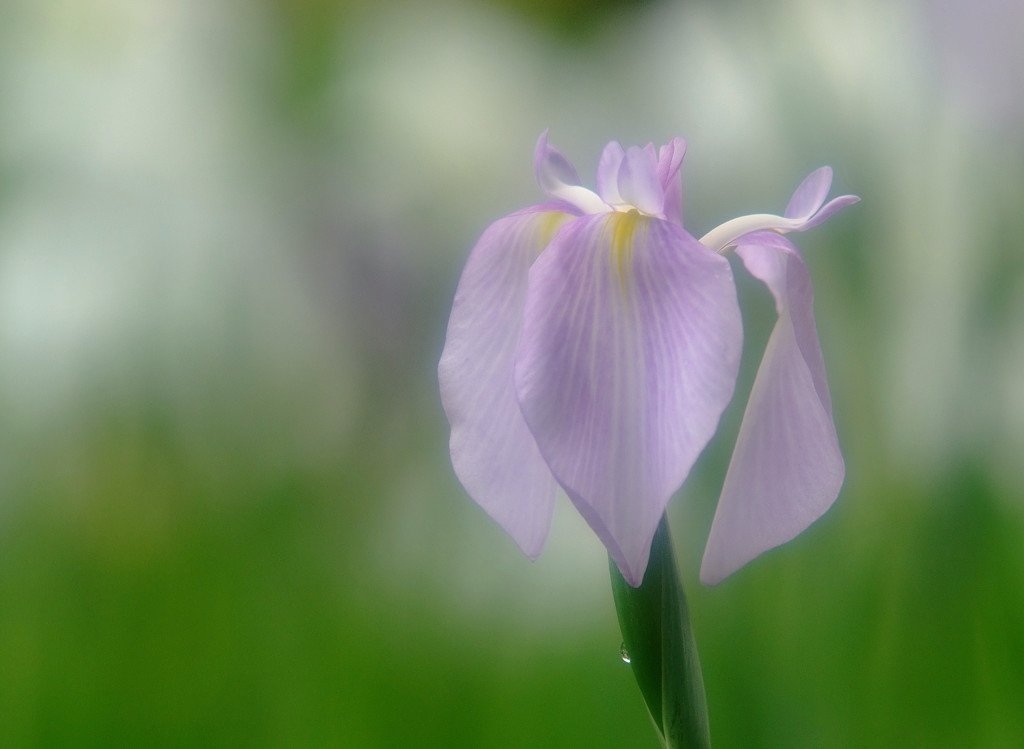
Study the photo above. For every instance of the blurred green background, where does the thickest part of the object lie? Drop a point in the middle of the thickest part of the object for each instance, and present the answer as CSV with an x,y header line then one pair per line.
x,y
229,236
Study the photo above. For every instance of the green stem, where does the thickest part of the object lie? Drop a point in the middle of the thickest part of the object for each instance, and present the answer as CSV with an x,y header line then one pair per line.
x,y
661,648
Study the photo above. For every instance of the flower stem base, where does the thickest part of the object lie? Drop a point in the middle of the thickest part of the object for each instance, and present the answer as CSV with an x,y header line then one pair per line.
x,y
659,644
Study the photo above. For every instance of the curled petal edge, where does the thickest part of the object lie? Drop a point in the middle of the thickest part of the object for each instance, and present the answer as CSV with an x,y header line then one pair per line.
x,y
803,212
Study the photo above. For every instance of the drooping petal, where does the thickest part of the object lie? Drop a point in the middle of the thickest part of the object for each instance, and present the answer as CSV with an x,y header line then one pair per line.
x,y
639,185
786,469
670,159
493,452
628,355
557,177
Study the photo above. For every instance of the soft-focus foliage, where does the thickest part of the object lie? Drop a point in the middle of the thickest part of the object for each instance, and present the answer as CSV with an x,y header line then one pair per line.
x,y
229,236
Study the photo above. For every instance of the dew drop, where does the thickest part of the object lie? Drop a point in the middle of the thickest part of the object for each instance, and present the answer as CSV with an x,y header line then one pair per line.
x,y
623,653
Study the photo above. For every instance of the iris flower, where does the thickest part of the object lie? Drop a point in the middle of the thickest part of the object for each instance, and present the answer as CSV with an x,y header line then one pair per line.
x,y
594,343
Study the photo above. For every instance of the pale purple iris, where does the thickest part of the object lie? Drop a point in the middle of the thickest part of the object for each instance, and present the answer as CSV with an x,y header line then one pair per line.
x,y
594,343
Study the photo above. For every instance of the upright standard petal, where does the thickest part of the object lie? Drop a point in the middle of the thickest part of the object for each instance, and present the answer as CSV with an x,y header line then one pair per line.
x,y
557,177
670,159
493,452
786,469
806,204
639,185
608,173
629,352
811,193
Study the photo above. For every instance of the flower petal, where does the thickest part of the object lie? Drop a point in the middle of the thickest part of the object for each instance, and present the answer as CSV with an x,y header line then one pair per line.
x,y
628,355
786,469
639,185
557,177
828,210
493,452
608,173
670,159
803,212
810,194
805,207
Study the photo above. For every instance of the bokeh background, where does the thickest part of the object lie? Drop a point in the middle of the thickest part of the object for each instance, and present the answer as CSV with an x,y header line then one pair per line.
x,y
230,233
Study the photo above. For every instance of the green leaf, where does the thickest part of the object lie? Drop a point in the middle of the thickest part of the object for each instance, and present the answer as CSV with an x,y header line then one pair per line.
x,y
658,640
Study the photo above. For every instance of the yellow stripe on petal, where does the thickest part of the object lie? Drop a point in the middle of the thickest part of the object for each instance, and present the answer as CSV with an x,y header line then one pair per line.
x,y
623,227
550,223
